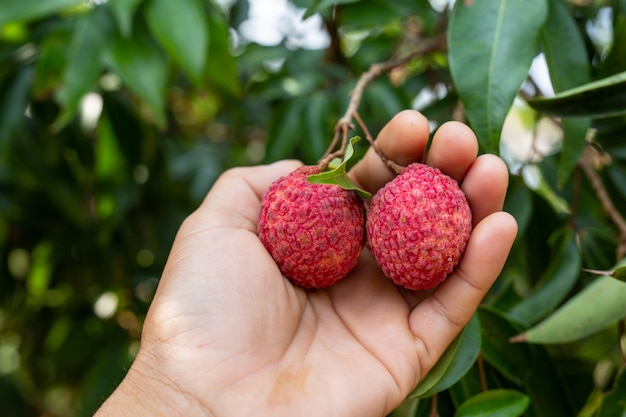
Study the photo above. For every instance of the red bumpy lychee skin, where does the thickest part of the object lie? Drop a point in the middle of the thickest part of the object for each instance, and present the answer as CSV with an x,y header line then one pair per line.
x,y
314,232
417,227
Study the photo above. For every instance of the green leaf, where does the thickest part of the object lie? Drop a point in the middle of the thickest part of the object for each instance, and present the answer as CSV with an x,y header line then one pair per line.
x,y
40,274
13,101
574,142
317,116
491,46
320,5
12,10
544,383
564,48
338,175
597,306
182,30
614,403
616,60
221,66
536,181
453,364
519,203
568,63
555,284
510,360
285,130
110,162
408,408
143,68
124,11
89,40
601,98
620,274
494,403
51,62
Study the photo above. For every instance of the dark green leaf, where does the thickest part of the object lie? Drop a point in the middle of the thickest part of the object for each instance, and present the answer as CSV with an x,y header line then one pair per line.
x,y
124,11
454,363
338,174
602,98
555,284
574,142
519,203
13,102
495,403
11,10
181,28
608,133
221,67
489,61
568,64
320,5
88,42
544,383
383,99
510,360
51,63
564,48
143,68
616,59
317,116
286,130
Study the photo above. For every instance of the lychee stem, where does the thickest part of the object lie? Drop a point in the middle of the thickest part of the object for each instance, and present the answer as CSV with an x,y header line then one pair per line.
x,y
340,132
392,165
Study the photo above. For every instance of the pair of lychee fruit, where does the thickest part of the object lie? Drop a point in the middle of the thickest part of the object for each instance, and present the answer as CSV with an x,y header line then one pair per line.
x,y
416,227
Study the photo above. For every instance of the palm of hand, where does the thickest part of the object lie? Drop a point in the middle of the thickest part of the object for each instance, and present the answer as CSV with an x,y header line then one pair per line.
x,y
230,333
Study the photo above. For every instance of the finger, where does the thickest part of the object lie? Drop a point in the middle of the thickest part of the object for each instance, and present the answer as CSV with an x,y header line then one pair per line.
x,y
234,199
485,186
453,149
440,317
402,140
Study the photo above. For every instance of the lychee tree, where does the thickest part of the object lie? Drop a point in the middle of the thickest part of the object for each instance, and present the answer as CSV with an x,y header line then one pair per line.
x,y
117,115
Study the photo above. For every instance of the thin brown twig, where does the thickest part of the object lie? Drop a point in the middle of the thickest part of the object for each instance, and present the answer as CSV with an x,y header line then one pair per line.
x,y
481,371
607,204
434,412
392,165
344,124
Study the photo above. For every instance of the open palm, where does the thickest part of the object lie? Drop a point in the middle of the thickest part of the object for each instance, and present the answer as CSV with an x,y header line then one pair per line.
x,y
228,335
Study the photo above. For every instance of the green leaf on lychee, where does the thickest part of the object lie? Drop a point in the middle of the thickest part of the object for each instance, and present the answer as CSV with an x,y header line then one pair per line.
x,y
337,174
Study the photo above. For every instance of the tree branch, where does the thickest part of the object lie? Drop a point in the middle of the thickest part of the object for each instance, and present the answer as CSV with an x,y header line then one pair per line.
x,y
344,125
607,204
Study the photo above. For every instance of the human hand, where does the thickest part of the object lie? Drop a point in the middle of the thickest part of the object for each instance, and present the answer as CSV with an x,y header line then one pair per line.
x,y
228,335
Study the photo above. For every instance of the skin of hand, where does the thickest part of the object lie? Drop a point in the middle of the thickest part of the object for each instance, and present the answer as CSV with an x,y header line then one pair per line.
x,y
228,335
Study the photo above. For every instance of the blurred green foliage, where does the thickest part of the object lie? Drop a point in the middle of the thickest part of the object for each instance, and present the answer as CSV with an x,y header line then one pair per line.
x,y
117,116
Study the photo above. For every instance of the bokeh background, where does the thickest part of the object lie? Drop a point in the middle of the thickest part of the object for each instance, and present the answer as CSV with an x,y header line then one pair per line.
x,y
116,116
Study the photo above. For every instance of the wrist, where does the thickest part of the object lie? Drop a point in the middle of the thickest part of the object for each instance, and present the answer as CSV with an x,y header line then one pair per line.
x,y
145,391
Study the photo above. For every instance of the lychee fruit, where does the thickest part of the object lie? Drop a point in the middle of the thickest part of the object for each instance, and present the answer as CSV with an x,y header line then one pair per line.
x,y
314,232
417,227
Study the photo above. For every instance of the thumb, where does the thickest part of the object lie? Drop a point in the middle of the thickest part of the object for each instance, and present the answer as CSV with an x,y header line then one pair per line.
x,y
234,200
